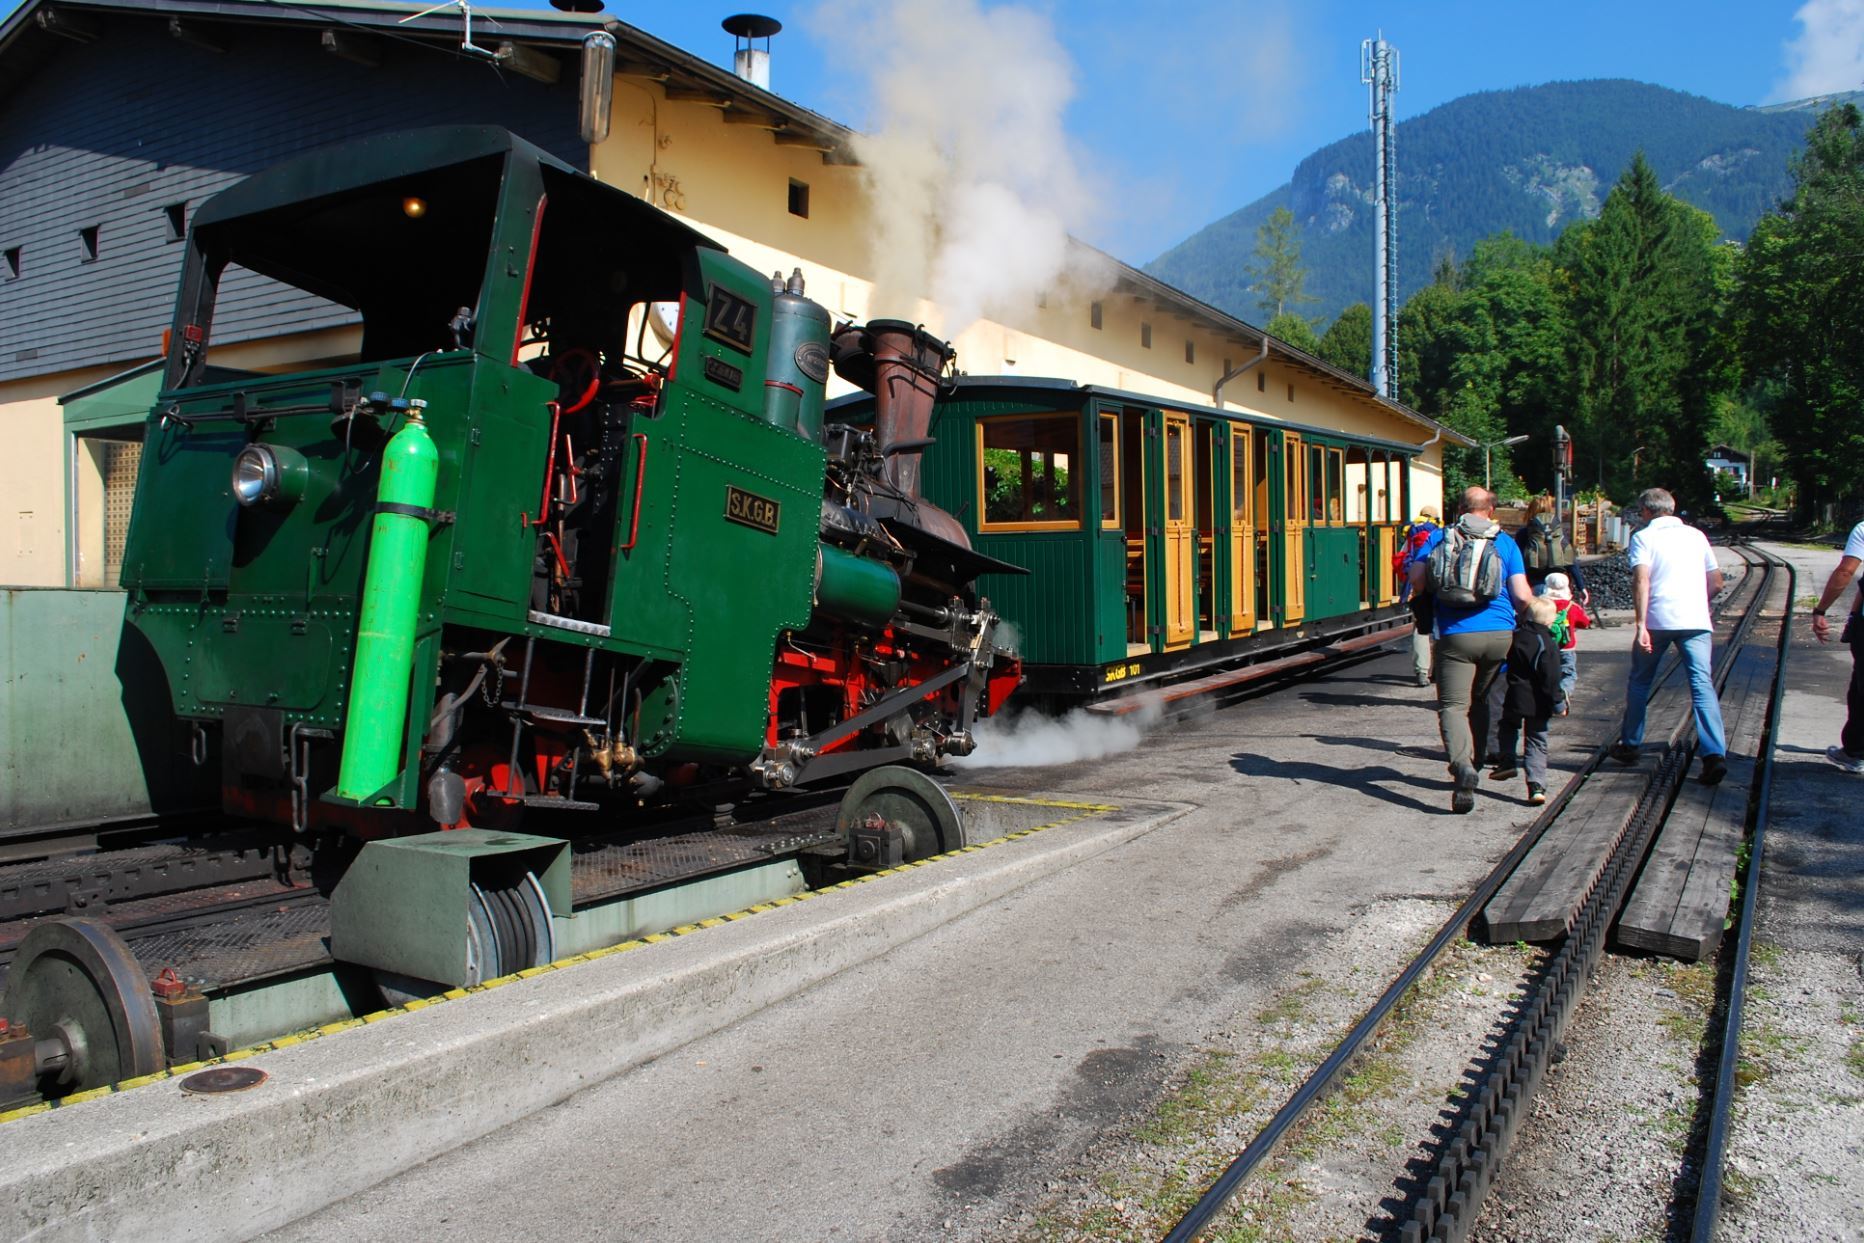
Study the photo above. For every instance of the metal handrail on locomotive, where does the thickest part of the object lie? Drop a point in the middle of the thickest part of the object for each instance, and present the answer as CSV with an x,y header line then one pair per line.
x,y
562,534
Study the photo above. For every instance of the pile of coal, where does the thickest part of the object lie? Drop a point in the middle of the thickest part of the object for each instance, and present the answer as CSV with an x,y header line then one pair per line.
x,y
1609,581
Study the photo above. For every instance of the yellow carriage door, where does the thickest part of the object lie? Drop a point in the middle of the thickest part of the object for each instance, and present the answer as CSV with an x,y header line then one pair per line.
x,y
1242,533
1180,534
1294,530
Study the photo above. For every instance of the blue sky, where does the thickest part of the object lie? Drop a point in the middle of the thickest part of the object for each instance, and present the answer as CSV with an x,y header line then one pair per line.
x,y
1184,112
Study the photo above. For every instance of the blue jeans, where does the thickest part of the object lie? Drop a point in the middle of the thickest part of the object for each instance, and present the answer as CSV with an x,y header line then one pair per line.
x,y
1695,646
1569,672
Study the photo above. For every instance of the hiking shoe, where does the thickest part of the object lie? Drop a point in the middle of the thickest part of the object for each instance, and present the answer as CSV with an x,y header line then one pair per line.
x,y
1624,753
1845,760
1536,795
1503,770
1714,768
1463,800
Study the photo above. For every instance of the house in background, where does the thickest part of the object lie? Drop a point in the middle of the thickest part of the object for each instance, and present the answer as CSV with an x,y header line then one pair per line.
x,y
1727,460
118,117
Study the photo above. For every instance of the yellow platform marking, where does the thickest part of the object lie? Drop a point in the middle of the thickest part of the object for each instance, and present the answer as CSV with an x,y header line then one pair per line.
x,y
1082,812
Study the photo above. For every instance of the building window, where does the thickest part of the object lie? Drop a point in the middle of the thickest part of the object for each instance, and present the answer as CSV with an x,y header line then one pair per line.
x,y
1291,392
176,217
1190,352
1026,473
1145,336
1227,367
12,262
1093,315
799,198
87,239
1042,302
1262,381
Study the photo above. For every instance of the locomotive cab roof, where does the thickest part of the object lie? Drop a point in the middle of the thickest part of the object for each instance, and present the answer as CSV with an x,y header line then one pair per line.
x,y
401,227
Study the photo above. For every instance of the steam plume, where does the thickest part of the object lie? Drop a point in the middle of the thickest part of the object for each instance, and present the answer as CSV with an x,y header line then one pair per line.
x,y
1031,740
968,165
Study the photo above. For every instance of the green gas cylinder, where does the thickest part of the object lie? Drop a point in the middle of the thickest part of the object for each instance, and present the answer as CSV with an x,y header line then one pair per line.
x,y
391,601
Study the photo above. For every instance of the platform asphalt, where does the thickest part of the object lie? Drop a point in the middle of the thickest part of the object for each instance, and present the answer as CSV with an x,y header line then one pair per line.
x,y
339,1114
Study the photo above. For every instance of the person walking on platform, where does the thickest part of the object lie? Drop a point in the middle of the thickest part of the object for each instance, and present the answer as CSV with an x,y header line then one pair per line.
x,y
1423,607
1570,619
1544,550
1475,573
1849,753
1533,690
1673,578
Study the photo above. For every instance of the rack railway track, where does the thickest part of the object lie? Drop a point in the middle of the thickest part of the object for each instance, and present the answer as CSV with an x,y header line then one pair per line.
x,y
1526,1036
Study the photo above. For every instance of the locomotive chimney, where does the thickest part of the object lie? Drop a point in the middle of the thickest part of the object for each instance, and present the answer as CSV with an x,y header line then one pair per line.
x,y
900,365
749,61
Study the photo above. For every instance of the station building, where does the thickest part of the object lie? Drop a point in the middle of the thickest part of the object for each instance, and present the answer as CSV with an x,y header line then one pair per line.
x,y
118,117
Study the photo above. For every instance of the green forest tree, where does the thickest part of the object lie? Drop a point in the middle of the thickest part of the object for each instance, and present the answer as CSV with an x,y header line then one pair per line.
x,y
1645,285
1800,314
1276,277
1347,343
1295,330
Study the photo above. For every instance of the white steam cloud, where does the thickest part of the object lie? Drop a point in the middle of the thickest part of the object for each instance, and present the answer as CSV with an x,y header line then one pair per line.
x,y
1031,740
1828,55
973,181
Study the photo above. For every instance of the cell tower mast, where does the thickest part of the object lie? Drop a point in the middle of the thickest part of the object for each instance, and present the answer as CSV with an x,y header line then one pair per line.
x,y
1378,67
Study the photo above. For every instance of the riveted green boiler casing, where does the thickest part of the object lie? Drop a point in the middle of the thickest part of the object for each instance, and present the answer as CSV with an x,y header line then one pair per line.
x,y
855,588
391,601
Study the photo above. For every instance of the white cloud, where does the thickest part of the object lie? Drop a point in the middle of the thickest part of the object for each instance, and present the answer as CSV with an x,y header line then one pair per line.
x,y
1828,55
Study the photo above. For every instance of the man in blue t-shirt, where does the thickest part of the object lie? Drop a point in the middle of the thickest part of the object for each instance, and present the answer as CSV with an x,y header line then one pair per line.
x,y
1472,643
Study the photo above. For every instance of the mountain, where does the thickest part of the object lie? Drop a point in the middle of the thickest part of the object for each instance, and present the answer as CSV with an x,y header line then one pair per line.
x,y
1531,160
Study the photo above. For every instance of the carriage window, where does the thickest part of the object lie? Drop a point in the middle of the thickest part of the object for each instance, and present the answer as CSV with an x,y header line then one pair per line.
x,y
1296,500
1316,481
1174,471
1026,471
1241,492
1109,471
1335,489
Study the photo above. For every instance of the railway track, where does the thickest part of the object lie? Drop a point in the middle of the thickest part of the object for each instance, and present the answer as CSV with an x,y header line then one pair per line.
x,y
1527,1032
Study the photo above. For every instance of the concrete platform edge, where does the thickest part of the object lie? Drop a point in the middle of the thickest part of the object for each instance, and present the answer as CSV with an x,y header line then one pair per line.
x,y
342,1113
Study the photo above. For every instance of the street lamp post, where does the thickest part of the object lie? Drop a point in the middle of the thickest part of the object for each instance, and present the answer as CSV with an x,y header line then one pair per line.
x,y
1487,449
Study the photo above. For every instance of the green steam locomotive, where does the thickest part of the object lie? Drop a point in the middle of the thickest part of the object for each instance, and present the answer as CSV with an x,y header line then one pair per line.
x,y
559,531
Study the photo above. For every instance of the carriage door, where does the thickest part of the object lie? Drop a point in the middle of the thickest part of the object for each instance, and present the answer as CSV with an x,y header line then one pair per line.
x,y
1242,531
1180,533
1294,566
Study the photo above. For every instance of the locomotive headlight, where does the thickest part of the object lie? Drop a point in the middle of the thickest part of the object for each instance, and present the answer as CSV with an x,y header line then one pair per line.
x,y
269,475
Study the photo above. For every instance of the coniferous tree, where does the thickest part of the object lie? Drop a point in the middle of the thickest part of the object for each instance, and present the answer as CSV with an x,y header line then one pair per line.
x,y
1800,313
1644,283
1277,277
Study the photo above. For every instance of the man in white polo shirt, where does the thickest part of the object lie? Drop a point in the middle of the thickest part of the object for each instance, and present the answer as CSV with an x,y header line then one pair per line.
x,y
1673,578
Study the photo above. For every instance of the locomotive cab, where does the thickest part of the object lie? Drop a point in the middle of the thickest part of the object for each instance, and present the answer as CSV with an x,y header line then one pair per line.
x,y
541,527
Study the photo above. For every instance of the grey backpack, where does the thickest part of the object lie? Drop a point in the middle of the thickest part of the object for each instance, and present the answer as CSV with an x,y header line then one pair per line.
x,y
1465,570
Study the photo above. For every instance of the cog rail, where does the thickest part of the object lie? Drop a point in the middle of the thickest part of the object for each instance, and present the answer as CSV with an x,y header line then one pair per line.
x,y
1468,1161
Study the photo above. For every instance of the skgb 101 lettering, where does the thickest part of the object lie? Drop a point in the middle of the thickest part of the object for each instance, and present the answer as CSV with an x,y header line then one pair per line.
x,y
1119,673
751,510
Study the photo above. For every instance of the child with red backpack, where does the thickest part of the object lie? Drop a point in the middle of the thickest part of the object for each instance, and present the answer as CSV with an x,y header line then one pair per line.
x,y
1568,622
1417,537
